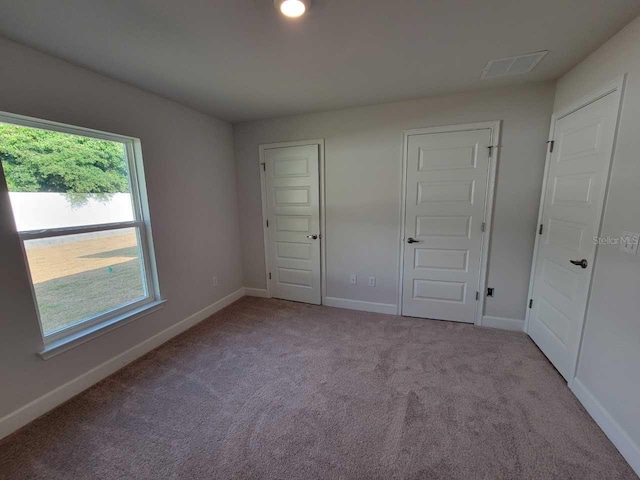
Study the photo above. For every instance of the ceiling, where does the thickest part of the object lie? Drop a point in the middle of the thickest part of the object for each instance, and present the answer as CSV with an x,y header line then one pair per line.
x,y
240,60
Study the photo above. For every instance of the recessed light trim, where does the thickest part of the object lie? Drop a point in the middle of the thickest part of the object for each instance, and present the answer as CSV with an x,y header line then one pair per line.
x,y
292,8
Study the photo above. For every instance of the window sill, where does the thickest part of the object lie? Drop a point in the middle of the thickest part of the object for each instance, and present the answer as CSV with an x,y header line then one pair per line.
x,y
67,343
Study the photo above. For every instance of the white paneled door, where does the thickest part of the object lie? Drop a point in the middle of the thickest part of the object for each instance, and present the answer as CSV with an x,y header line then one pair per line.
x,y
447,177
293,213
574,195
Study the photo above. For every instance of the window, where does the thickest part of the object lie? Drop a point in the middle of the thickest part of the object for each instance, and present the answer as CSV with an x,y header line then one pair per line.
x,y
77,200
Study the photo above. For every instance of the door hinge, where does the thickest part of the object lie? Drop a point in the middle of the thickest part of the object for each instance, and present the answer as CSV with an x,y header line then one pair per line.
x,y
267,223
490,147
264,166
484,227
540,229
477,296
269,275
531,303
551,144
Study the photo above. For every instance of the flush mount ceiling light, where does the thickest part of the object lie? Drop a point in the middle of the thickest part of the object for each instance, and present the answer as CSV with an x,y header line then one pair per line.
x,y
292,8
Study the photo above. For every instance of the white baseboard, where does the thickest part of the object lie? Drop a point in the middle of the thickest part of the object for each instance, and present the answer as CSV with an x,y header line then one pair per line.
x,y
503,323
38,407
256,292
612,429
387,308
32,410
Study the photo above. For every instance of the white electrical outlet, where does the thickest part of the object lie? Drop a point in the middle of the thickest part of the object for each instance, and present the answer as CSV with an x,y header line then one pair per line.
x,y
215,281
629,243
354,279
372,281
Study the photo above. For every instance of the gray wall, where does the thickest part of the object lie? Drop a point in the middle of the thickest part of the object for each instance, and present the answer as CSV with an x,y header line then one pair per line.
x,y
191,183
609,364
363,169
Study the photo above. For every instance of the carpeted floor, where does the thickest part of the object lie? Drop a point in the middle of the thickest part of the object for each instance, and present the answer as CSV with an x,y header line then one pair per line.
x,y
268,389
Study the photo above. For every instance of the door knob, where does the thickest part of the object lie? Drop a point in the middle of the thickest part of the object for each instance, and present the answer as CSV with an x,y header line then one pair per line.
x,y
412,240
581,263
312,237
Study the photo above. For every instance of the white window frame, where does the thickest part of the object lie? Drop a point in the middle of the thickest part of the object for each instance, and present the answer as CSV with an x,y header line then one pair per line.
x,y
92,326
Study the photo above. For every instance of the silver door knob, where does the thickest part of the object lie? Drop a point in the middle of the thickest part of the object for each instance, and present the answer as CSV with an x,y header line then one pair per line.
x,y
312,237
581,263
412,240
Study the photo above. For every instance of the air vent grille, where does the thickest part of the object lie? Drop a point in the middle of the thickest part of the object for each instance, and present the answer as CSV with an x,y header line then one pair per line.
x,y
512,65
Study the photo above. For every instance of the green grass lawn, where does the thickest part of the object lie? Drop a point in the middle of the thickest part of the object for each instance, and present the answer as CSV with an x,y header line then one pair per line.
x,y
68,300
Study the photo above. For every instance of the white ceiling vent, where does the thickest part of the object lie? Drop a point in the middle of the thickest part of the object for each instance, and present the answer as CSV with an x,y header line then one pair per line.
x,y
512,65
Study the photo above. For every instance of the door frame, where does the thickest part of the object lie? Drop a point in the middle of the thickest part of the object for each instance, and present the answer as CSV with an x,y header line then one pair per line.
x,y
615,87
265,231
494,126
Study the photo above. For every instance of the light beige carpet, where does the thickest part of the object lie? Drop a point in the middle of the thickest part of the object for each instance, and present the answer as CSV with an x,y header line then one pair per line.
x,y
268,389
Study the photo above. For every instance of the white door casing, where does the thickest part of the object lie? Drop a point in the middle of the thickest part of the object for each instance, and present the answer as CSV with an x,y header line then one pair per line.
x,y
449,179
293,236
572,203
